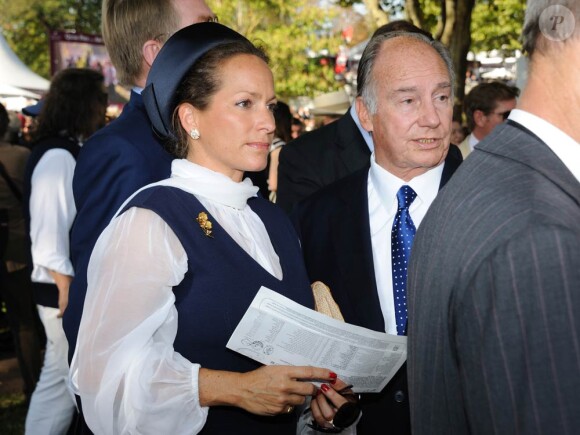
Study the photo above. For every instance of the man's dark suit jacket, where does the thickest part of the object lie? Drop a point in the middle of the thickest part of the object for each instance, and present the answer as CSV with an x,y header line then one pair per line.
x,y
334,228
319,158
494,292
113,163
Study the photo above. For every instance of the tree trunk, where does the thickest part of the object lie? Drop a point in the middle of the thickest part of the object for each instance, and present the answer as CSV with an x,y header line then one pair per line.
x,y
377,16
415,13
457,37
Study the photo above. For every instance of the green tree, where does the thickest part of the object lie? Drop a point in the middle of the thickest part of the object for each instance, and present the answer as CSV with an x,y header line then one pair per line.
x,y
462,25
27,26
497,24
288,30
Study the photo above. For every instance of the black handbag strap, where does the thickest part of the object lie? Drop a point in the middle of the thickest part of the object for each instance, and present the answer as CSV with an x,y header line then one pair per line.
x,y
13,187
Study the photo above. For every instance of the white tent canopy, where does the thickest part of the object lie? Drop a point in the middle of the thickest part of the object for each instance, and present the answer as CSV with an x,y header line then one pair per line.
x,y
14,72
13,91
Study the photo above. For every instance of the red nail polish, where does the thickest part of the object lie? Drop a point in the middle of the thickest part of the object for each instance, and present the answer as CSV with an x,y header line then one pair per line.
x,y
333,381
324,387
318,392
332,375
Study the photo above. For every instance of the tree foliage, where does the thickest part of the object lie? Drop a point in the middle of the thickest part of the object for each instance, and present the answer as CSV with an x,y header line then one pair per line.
x,y
288,30
462,25
27,26
497,24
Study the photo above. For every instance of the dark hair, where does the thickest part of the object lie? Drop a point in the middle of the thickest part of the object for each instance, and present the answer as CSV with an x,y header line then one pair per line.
x,y
485,97
200,84
283,118
401,26
4,121
75,105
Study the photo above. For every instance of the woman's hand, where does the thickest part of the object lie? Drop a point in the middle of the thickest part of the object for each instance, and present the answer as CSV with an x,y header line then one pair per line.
x,y
331,398
62,283
269,390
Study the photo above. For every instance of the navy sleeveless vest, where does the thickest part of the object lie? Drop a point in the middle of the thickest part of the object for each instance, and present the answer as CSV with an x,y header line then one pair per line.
x,y
43,294
221,281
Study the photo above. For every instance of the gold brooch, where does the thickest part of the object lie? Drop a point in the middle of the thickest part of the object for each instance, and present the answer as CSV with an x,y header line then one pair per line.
x,y
204,223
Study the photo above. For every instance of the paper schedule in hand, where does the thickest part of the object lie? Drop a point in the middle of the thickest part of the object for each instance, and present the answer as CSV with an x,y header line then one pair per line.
x,y
275,330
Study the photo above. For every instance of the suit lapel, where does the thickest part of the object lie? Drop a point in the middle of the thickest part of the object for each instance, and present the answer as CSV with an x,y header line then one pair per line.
x,y
353,151
354,255
452,162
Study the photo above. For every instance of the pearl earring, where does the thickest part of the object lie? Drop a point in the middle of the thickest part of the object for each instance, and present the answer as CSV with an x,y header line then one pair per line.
x,y
194,133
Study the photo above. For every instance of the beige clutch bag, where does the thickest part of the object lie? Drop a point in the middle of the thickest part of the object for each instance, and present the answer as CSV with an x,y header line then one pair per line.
x,y
324,302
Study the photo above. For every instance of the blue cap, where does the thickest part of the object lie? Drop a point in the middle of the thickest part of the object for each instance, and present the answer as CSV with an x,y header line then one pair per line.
x,y
34,109
174,60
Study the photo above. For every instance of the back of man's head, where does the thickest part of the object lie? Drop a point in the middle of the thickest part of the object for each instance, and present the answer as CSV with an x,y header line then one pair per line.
x,y
484,97
550,20
128,24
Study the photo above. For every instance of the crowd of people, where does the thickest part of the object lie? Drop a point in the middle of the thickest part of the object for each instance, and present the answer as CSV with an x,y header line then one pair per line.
x,y
136,246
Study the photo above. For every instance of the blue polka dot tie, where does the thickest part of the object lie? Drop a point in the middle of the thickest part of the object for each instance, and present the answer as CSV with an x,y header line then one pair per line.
x,y
401,240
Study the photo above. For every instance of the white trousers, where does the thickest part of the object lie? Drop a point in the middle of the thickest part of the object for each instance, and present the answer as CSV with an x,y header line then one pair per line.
x,y
51,406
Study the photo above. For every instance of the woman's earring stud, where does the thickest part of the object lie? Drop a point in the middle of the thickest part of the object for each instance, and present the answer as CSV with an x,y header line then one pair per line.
x,y
194,133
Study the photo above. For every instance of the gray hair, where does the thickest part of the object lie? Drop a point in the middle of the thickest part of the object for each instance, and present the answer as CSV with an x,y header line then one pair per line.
x,y
533,20
366,85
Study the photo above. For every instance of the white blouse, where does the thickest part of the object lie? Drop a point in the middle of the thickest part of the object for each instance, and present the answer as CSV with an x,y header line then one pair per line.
x,y
52,211
125,369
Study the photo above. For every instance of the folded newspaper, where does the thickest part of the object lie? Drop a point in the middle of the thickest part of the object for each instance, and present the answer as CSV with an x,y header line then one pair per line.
x,y
277,331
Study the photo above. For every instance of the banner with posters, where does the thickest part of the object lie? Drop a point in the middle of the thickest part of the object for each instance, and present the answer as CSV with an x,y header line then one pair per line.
x,y
79,50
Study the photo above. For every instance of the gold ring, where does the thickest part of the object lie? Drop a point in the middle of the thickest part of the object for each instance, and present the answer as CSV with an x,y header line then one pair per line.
x,y
290,409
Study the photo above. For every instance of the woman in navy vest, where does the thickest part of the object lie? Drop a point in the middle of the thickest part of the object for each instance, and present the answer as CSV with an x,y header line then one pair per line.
x,y
176,269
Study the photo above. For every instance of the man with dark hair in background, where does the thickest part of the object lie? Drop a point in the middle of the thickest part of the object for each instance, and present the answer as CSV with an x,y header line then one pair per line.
x,y
486,106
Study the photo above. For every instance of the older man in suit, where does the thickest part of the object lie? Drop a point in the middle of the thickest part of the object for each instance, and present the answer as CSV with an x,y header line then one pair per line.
x,y
125,155
356,233
323,156
494,339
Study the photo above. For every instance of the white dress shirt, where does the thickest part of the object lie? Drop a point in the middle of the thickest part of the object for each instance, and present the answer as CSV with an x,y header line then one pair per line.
x,y
566,148
382,195
125,369
472,140
52,211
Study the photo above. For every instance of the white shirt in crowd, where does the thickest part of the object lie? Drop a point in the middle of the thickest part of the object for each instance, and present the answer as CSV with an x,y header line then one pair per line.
x,y
52,212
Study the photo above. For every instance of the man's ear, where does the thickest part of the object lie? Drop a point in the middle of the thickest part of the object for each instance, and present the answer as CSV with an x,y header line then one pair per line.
x,y
479,118
150,51
363,115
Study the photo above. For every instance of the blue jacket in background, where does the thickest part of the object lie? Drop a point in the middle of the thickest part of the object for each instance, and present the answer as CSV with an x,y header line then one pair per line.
x,y
116,161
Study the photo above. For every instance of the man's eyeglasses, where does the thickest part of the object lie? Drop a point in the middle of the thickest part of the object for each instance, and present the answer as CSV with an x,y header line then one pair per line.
x,y
504,115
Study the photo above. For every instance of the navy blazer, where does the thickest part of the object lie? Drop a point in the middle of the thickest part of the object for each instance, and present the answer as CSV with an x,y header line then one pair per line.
x,y
334,228
115,162
319,158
